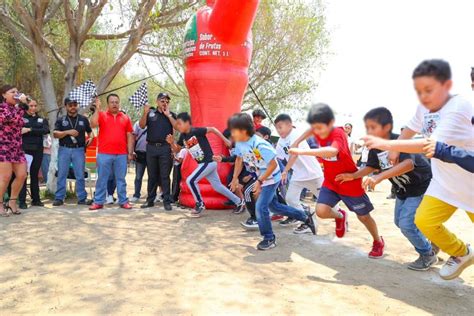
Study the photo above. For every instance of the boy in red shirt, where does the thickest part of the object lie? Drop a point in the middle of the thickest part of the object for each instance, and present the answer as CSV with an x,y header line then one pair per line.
x,y
336,158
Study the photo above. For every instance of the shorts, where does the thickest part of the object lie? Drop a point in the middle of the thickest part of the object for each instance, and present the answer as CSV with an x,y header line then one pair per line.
x,y
360,205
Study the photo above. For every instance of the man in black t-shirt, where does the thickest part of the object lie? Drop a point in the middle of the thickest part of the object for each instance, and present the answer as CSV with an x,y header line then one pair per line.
x,y
194,139
71,131
411,177
160,123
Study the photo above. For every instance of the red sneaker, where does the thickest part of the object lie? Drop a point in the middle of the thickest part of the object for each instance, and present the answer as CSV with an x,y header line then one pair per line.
x,y
341,224
95,207
126,206
277,217
377,249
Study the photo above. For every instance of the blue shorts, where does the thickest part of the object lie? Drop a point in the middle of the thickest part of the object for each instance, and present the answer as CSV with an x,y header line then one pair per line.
x,y
360,205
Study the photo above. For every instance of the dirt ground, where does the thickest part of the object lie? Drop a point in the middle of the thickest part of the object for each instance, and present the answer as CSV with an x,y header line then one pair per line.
x,y
68,260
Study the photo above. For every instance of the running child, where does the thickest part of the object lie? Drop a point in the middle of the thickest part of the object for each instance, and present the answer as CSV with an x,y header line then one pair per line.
x,y
410,177
446,118
195,141
260,157
336,158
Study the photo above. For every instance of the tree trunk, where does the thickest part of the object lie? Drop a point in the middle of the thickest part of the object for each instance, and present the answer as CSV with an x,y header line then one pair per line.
x,y
45,80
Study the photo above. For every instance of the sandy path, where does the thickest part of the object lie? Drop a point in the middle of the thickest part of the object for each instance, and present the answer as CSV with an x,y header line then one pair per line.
x,y
68,261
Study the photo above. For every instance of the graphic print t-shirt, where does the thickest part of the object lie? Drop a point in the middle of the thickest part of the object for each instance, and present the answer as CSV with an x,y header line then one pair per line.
x,y
342,163
410,184
197,144
256,154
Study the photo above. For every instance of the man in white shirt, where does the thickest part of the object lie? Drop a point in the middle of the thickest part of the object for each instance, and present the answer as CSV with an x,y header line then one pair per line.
x,y
307,173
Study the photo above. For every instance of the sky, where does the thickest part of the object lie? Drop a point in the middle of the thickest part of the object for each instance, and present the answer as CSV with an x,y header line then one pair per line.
x,y
376,44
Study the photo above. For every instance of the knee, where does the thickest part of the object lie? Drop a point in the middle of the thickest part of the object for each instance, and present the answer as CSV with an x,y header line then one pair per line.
x,y
188,181
364,218
323,211
21,175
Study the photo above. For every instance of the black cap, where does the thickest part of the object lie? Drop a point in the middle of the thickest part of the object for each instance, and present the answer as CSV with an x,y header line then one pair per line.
x,y
163,95
69,100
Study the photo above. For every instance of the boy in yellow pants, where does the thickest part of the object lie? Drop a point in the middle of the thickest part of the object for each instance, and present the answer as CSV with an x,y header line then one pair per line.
x,y
446,118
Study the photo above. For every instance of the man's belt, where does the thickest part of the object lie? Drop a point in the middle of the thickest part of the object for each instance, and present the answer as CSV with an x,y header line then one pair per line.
x,y
72,146
158,144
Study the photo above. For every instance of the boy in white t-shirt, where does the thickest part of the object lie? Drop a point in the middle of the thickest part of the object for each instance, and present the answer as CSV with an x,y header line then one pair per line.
x,y
446,118
307,173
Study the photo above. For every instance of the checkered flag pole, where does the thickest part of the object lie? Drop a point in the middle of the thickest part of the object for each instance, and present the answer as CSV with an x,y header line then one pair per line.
x,y
84,94
140,97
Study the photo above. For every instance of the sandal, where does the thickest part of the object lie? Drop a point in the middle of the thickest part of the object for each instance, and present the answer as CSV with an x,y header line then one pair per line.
x,y
9,208
4,211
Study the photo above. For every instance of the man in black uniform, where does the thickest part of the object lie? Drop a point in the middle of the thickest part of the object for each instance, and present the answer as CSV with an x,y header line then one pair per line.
x,y
71,130
160,123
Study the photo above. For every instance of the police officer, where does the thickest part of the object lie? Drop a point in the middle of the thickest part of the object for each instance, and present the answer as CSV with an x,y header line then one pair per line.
x,y
160,123
33,131
71,131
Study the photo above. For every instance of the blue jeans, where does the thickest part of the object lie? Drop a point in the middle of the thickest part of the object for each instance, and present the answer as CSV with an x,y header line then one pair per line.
x,y
140,168
106,165
405,211
77,157
267,201
45,166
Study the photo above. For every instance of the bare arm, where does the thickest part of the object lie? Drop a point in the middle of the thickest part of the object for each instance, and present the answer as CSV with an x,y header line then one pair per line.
x,y
219,134
130,143
411,146
323,152
401,168
238,165
344,177
142,122
270,168
94,120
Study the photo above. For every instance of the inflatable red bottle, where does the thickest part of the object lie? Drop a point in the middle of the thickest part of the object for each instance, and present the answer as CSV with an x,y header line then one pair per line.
x,y
217,52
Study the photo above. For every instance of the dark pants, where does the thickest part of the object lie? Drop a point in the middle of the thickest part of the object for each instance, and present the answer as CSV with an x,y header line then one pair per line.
x,y
176,189
34,171
159,163
140,168
111,185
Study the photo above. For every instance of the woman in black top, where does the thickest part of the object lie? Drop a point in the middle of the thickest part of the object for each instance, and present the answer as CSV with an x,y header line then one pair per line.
x,y
32,136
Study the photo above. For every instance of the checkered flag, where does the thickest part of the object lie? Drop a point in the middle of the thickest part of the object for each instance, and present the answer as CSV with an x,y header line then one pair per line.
x,y
140,97
84,94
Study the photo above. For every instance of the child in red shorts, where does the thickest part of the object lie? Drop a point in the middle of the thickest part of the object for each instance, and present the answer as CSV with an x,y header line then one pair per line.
x,y
336,158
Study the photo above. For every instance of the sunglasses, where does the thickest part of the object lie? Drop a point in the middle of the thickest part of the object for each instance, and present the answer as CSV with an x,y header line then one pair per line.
x,y
165,100
70,105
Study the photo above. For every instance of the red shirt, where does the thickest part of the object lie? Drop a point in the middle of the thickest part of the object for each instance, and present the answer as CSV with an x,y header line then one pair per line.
x,y
342,163
113,133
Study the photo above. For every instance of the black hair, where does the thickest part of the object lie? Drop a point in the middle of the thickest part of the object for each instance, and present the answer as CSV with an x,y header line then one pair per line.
x,y
260,113
265,131
381,115
3,90
184,116
350,134
436,68
112,95
320,113
472,74
242,121
283,118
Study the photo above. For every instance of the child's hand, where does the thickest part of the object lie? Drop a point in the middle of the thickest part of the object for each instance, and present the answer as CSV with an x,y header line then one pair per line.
x,y
370,182
376,142
344,177
170,139
429,147
257,189
284,177
217,158
234,184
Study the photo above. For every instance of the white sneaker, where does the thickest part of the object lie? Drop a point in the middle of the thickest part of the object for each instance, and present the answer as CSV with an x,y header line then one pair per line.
x,y
158,199
133,199
109,199
456,265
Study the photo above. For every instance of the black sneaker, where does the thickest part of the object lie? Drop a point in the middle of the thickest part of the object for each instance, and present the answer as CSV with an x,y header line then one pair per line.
x,y
423,263
84,202
239,209
197,211
302,229
37,203
250,224
168,207
266,244
310,222
147,205
288,222
58,203
22,205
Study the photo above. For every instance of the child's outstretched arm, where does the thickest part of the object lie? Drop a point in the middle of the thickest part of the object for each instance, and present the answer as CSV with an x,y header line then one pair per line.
x,y
322,152
410,146
219,134
451,154
344,177
403,167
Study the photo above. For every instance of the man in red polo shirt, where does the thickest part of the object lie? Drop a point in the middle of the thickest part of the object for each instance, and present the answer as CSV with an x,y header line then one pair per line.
x,y
115,147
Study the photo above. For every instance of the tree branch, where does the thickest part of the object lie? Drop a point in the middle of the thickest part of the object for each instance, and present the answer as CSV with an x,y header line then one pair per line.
x,y
17,33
